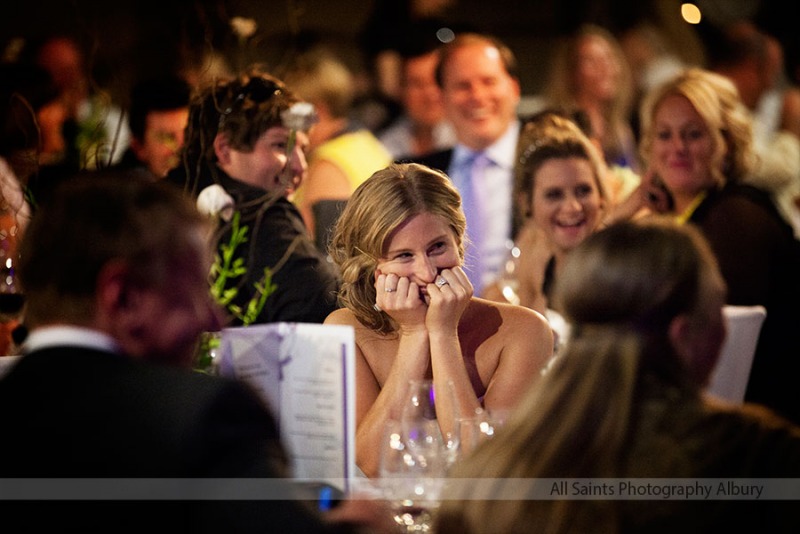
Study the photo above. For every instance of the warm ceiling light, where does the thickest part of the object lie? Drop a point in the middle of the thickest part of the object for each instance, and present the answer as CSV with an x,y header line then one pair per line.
x,y
691,13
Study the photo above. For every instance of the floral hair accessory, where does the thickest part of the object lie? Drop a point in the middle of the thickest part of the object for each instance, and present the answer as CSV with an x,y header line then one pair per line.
x,y
215,201
300,116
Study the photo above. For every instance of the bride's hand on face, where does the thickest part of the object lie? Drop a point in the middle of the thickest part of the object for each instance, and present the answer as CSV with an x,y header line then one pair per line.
x,y
447,297
400,298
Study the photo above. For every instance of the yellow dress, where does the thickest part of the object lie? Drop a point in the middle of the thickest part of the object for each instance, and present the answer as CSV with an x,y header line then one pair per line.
x,y
358,154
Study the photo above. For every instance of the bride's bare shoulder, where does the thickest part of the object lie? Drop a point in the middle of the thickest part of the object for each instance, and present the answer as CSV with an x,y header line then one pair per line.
x,y
342,316
512,316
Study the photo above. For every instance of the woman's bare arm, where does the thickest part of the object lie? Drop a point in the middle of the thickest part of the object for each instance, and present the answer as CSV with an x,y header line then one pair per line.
x,y
527,348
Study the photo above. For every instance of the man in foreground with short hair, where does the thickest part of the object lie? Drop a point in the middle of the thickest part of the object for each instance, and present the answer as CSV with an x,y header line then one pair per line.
x,y
115,273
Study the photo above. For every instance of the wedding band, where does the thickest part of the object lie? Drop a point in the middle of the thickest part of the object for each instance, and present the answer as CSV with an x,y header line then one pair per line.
x,y
376,307
390,290
441,281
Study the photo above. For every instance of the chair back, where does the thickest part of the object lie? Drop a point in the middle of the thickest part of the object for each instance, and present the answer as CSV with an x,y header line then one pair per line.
x,y
6,362
730,376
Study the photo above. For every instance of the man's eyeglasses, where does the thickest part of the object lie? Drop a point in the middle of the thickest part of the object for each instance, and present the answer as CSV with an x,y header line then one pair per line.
x,y
256,90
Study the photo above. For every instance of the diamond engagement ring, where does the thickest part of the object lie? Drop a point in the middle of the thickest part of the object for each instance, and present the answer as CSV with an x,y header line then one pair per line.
x,y
441,281
390,290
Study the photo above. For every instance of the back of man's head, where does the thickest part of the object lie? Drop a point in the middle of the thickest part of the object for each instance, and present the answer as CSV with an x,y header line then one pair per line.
x,y
92,221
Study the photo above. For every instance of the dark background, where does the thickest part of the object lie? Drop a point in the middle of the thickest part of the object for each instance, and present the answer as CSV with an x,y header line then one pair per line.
x,y
129,39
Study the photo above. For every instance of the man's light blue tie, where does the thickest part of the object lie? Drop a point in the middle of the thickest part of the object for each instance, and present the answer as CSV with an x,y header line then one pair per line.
x,y
474,170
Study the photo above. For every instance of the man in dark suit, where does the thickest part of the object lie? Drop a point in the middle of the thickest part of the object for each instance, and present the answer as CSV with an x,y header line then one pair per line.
x,y
481,91
115,273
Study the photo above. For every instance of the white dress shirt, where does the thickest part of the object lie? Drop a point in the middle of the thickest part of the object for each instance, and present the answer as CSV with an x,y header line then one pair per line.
x,y
50,336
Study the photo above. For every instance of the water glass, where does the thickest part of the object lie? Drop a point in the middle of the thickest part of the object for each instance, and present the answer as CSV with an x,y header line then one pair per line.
x,y
417,450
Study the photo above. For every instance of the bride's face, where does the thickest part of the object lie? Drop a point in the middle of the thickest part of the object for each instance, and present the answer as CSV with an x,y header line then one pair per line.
x,y
419,249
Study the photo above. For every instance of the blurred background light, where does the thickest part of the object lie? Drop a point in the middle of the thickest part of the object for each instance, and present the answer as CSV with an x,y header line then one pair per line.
x,y
691,13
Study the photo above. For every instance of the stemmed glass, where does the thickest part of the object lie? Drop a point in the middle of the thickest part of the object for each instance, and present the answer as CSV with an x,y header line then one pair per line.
x,y
416,454
425,427
11,297
12,302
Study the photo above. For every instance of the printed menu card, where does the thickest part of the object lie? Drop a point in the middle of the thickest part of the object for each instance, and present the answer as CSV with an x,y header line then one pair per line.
x,y
305,373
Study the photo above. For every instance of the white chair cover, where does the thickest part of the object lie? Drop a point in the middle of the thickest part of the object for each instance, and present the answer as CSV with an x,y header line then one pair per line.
x,y
6,362
729,379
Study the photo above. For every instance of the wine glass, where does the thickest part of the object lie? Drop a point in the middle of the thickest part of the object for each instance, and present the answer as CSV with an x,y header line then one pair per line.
x,y
476,429
416,455
11,297
424,426
410,480
12,302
